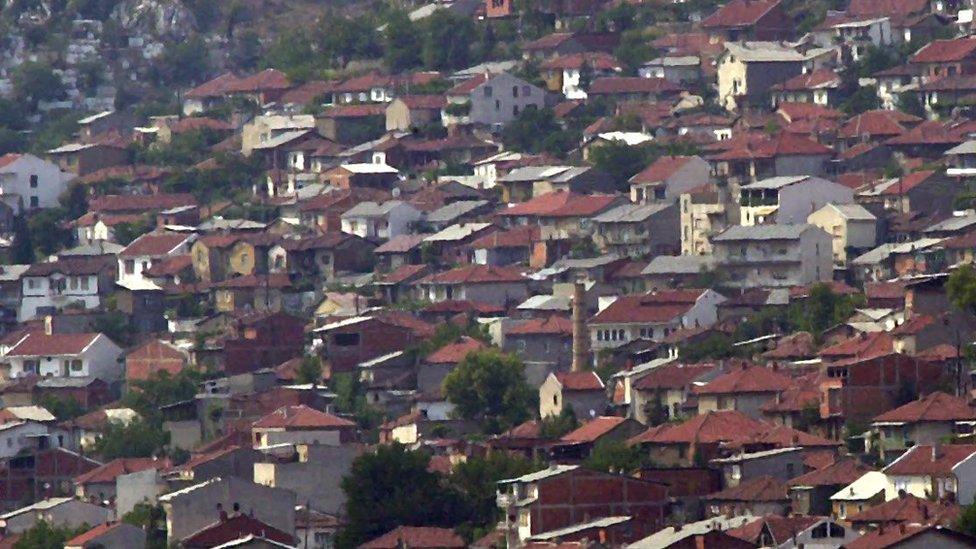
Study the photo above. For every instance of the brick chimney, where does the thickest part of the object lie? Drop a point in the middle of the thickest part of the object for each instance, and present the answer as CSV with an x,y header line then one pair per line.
x,y
581,340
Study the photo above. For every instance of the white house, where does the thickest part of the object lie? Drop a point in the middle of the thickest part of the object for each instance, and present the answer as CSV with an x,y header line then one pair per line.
x,y
852,228
789,199
774,256
385,221
652,316
490,99
934,470
65,355
37,182
78,280
143,252
19,435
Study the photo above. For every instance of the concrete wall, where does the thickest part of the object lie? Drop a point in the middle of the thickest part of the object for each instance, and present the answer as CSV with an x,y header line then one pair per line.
x,y
316,480
134,488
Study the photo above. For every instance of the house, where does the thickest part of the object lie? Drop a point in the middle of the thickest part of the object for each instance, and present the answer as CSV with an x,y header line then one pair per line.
x,y
565,495
939,470
810,493
436,366
962,160
487,284
679,69
779,463
924,421
924,191
238,531
521,184
946,57
749,20
57,512
774,256
414,111
711,532
581,392
865,492
508,247
490,100
906,509
418,537
776,531
559,214
328,255
449,246
301,425
748,70
565,74
638,230
744,389
208,95
662,392
652,316
380,221
580,443
223,255
701,437
109,535
820,87
253,341
82,159
789,199
706,210
912,536
201,505
156,355
351,341
65,355
751,159
853,229
544,345
359,175
668,177
146,250
36,183
633,88
69,281
105,484
757,497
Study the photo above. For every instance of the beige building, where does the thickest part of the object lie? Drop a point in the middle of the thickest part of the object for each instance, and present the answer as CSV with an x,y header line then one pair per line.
x,y
747,70
851,227
705,212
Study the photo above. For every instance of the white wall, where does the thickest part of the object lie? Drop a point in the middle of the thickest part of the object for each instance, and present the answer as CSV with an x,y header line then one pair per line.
x,y
50,181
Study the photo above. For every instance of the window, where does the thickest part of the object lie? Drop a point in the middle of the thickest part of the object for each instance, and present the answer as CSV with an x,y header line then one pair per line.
x,y
84,283
488,91
345,340
34,202
526,91
515,110
130,266
514,91
498,105
32,283
75,365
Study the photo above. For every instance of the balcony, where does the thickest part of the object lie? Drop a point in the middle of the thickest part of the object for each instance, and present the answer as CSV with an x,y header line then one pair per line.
x,y
504,500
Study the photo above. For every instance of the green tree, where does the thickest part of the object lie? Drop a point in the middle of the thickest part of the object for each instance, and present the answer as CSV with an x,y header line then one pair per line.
x,y
529,130
43,535
620,160
909,103
309,371
181,63
138,438
614,456
961,288
161,389
865,98
554,427
391,487
716,346
489,386
48,231
62,408
34,82
476,480
152,520
447,39
966,523
128,231
821,309
401,43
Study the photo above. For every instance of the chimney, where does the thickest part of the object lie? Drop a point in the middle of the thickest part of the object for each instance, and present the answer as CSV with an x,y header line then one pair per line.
x,y
581,348
936,450
48,325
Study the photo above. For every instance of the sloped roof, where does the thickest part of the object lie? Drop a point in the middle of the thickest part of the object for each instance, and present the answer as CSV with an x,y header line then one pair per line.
x,y
759,489
908,509
551,325
661,169
593,429
122,466
235,528
658,307
945,51
919,460
750,379
301,417
739,13
453,353
631,84
416,537
673,376
154,244
580,381
561,204
841,472
40,343
475,274
704,428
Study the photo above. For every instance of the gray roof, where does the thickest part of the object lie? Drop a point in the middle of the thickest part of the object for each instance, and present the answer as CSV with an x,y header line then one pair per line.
x,y
281,139
875,256
538,173
854,212
96,247
954,223
604,522
543,474
969,147
371,209
764,52
630,213
458,231
669,536
489,66
454,210
678,264
777,182
762,232
674,61
586,262
12,272
220,223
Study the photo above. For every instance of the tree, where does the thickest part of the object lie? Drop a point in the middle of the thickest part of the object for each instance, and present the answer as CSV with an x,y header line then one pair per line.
x,y
820,310
181,63
447,40
614,457
152,519
63,409
620,160
43,535
909,102
401,43
309,371
476,480
966,523
529,130
34,82
128,231
865,98
554,427
489,387
48,231
392,487
138,438
961,288
162,388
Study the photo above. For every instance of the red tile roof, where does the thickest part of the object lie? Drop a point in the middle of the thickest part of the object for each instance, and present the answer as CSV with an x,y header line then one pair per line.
x,y
82,540
592,430
39,343
782,436
889,537
301,417
268,79
763,488
882,8
803,111
475,274
169,266
932,132
770,147
235,528
416,537
122,466
841,472
562,204
781,528
548,41
151,357
516,237
404,273
908,509
859,346
453,353
739,13
631,84
919,460
432,102
307,93
580,381
216,87
468,86
154,244
709,427
119,203
820,78
945,51
551,325
597,61
673,376
199,123
655,307
661,169
72,265
750,379
878,123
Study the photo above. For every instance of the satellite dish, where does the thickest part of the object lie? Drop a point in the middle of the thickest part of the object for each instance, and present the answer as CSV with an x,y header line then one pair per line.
x,y
592,413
